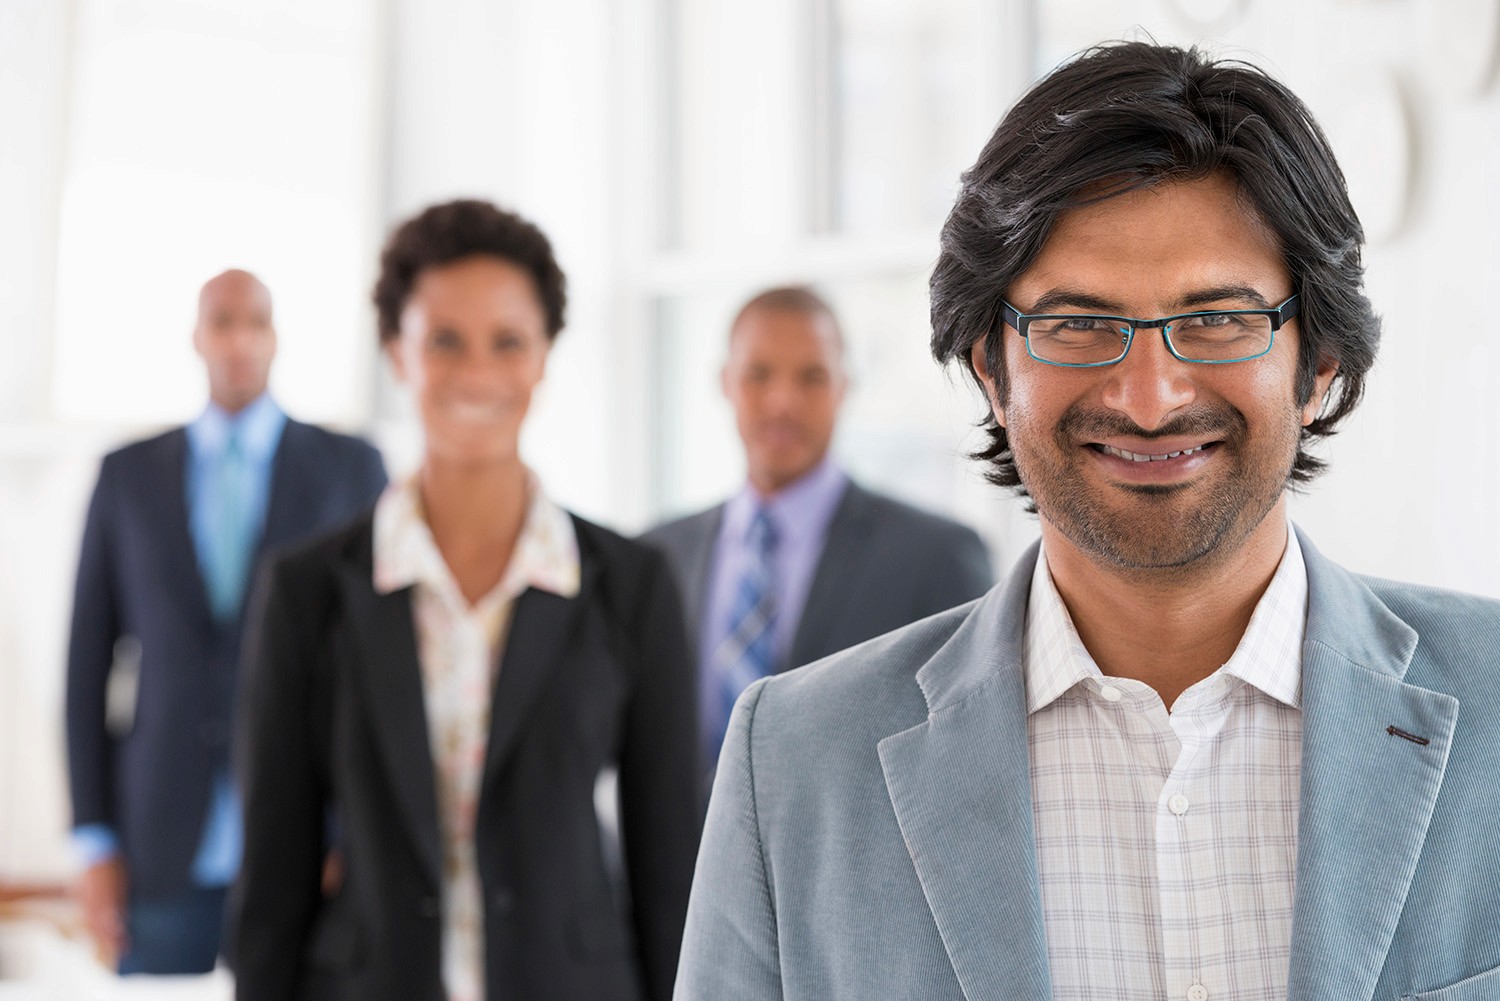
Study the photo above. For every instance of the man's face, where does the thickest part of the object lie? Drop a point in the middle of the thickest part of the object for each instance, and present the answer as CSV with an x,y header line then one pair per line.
x,y
1174,249
235,338
785,380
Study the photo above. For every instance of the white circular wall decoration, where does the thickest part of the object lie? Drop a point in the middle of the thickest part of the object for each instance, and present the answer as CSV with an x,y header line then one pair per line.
x,y
1206,14
1369,122
1458,44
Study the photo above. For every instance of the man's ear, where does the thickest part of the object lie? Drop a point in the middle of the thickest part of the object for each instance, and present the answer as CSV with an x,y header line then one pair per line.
x,y
982,370
1327,369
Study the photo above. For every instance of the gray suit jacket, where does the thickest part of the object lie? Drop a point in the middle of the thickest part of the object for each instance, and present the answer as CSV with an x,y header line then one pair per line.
x,y
870,833
884,565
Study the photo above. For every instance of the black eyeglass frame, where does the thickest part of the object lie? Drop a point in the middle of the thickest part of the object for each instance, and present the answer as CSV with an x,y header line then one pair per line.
x,y
1278,315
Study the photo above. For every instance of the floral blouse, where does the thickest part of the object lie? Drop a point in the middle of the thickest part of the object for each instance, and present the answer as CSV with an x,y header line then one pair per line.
x,y
460,647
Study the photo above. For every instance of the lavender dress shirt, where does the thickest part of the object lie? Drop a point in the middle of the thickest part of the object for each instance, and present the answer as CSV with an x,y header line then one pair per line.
x,y
801,513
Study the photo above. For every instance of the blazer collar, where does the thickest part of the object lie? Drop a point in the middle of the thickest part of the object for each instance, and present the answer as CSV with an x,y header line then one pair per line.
x,y
960,784
960,787
296,489
844,543
178,552
1367,794
390,681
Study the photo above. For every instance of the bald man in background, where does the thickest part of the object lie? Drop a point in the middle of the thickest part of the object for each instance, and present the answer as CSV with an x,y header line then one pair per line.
x,y
175,527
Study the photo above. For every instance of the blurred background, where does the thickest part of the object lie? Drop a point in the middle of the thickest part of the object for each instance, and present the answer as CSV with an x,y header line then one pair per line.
x,y
681,154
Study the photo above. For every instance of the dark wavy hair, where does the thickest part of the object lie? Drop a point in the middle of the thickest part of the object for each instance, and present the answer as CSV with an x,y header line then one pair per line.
x,y
1130,115
452,231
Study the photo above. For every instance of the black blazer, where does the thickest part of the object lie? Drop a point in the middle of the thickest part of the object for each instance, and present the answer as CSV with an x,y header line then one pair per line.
x,y
141,606
334,731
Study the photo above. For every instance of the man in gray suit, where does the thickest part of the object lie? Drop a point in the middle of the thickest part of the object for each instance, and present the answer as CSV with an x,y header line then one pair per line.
x,y
1178,753
802,562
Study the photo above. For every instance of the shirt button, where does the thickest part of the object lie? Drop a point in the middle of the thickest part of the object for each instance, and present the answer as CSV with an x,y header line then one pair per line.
x,y
1179,805
1110,693
1197,992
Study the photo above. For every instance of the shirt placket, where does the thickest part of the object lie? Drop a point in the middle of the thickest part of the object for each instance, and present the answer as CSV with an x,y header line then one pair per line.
x,y
461,697
1186,870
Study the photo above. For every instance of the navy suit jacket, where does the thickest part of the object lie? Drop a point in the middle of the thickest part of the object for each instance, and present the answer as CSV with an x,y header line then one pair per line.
x,y
141,613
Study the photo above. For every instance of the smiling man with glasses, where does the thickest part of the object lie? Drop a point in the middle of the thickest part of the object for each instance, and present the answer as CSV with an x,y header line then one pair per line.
x,y
1178,754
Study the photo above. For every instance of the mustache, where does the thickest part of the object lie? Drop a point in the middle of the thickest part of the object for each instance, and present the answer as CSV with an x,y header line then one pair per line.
x,y
1087,424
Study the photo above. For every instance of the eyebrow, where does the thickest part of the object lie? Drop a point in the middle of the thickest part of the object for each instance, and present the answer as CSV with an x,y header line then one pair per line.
x,y
1065,300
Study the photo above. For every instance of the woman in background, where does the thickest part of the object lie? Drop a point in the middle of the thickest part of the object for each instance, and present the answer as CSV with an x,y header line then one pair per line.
x,y
438,687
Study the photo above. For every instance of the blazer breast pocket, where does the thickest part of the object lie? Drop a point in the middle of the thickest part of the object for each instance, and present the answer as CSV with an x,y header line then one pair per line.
x,y
1480,987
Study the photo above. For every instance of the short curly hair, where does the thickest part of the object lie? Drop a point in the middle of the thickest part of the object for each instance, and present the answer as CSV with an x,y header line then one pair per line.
x,y
452,231
1132,115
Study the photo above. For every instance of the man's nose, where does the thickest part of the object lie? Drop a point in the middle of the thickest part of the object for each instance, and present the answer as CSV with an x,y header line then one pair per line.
x,y
1150,384
781,395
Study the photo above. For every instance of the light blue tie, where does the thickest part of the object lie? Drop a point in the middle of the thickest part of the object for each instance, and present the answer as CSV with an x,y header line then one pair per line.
x,y
746,653
228,556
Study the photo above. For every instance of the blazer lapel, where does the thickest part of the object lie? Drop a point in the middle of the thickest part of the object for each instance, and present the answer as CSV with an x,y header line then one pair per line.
x,y
1367,794
541,629
961,788
828,595
178,551
390,676
699,571
290,504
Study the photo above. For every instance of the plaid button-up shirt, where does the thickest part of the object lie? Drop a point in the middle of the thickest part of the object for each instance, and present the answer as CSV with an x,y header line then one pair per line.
x,y
1167,844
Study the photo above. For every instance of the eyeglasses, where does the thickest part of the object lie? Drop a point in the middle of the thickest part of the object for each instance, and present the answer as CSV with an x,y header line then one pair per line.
x,y
1087,340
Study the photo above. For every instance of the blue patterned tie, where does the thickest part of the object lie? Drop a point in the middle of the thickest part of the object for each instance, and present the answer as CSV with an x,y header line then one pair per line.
x,y
233,536
746,653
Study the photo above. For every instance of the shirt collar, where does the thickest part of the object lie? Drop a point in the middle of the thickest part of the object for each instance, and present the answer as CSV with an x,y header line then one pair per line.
x,y
1269,654
260,425
546,554
800,510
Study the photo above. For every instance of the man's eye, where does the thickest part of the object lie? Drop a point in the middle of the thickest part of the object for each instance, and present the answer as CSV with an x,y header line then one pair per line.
x,y
1215,321
446,340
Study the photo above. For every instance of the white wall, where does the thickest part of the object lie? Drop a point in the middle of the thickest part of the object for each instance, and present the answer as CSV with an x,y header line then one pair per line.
x,y
564,111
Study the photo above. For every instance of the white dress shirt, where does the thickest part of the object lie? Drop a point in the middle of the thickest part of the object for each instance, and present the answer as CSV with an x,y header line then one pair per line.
x,y
459,647
1167,844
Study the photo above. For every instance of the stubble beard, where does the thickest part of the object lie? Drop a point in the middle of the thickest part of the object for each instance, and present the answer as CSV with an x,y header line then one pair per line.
x,y
1175,528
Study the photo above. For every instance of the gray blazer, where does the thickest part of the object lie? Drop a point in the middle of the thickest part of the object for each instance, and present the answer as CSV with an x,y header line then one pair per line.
x,y
870,832
884,565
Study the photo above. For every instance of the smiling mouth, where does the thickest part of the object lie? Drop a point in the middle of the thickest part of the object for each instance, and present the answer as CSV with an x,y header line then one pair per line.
x,y
474,413
1139,457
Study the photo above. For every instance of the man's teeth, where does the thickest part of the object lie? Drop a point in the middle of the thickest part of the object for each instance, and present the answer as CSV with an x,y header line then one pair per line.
x,y
1137,457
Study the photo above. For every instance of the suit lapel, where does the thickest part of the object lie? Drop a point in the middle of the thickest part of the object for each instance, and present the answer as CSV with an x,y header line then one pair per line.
x,y
390,677
289,503
828,594
1367,794
541,630
961,789
698,578
178,551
